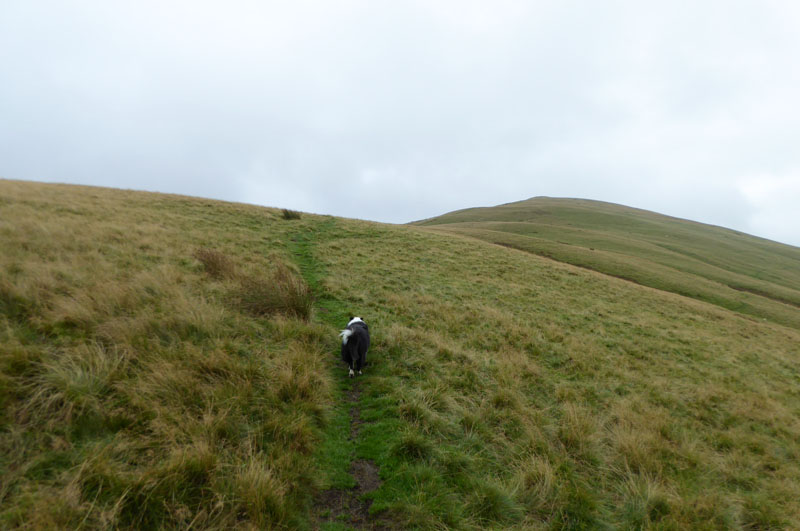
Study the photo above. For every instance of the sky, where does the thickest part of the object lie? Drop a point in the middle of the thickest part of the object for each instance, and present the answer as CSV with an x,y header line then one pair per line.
x,y
396,111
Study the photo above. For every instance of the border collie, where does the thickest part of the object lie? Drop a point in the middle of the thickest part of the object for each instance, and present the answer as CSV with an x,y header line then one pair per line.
x,y
355,342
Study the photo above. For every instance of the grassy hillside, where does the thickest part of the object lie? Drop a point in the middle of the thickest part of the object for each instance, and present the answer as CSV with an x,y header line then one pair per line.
x,y
143,385
739,272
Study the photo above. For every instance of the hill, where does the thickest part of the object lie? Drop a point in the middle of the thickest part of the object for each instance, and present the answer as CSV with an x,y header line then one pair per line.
x,y
172,362
733,270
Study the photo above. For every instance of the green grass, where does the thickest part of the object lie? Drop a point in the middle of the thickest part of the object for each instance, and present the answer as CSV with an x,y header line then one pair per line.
x,y
568,398
334,453
505,390
739,272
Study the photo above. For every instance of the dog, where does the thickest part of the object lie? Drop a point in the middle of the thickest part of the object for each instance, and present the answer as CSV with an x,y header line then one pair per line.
x,y
355,343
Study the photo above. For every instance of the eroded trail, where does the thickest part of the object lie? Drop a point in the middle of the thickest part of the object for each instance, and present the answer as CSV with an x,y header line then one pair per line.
x,y
349,505
346,506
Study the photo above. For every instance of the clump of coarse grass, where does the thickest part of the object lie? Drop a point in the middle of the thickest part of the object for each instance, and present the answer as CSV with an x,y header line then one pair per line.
x,y
759,512
412,445
13,305
290,214
70,383
414,411
296,373
284,292
490,503
646,501
217,264
578,431
537,484
262,493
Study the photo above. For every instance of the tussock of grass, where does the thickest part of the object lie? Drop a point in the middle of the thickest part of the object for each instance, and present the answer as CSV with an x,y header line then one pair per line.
x,y
283,292
645,502
217,264
489,503
412,445
262,494
537,484
290,214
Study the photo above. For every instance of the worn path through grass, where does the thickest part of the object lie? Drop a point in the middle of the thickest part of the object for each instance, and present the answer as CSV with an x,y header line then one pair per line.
x,y
342,502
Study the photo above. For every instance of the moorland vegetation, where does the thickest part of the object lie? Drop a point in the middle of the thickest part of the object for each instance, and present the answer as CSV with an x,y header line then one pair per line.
x,y
743,273
172,362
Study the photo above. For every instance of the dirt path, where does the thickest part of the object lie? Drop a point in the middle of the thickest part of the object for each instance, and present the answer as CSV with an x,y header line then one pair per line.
x,y
343,506
346,505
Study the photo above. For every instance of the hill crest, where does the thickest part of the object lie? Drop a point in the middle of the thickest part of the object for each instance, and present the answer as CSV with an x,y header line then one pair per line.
x,y
737,271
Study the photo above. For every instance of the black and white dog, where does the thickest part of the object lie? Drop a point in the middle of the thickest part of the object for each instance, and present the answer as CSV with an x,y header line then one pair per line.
x,y
355,342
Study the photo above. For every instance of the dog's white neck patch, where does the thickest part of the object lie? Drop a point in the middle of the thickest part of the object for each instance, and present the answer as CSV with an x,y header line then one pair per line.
x,y
355,320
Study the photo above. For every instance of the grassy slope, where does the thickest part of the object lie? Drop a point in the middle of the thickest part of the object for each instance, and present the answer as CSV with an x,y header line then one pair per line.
x,y
136,391
727,268
505,389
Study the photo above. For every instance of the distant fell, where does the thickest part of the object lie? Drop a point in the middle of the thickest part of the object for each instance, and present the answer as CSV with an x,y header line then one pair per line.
x,y
737,271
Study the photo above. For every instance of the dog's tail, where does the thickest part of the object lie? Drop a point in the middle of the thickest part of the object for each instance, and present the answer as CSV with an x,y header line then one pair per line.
x,y
345,334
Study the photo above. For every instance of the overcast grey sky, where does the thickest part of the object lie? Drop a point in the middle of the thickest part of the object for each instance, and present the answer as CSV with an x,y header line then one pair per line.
x,y
400,110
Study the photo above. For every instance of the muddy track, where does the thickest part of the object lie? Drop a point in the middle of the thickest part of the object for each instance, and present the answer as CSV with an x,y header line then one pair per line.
x,y
346,505
343,506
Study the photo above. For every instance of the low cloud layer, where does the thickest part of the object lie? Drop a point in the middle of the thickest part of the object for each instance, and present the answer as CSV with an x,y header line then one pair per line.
x,y
399,111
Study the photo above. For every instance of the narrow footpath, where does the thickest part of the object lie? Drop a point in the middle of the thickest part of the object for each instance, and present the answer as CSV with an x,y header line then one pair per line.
x,y
336,507
347,506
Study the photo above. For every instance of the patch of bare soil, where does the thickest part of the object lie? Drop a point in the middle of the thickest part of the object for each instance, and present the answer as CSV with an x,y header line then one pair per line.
x,y
355,422
346,505
366,475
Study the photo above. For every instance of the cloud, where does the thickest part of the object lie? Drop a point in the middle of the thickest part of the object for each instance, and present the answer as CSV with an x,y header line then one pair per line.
x,y
774,200
399,111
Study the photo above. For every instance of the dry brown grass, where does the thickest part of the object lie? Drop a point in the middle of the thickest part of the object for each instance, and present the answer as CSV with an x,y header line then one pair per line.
x,y
284,291
136,391
217,264
290,214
